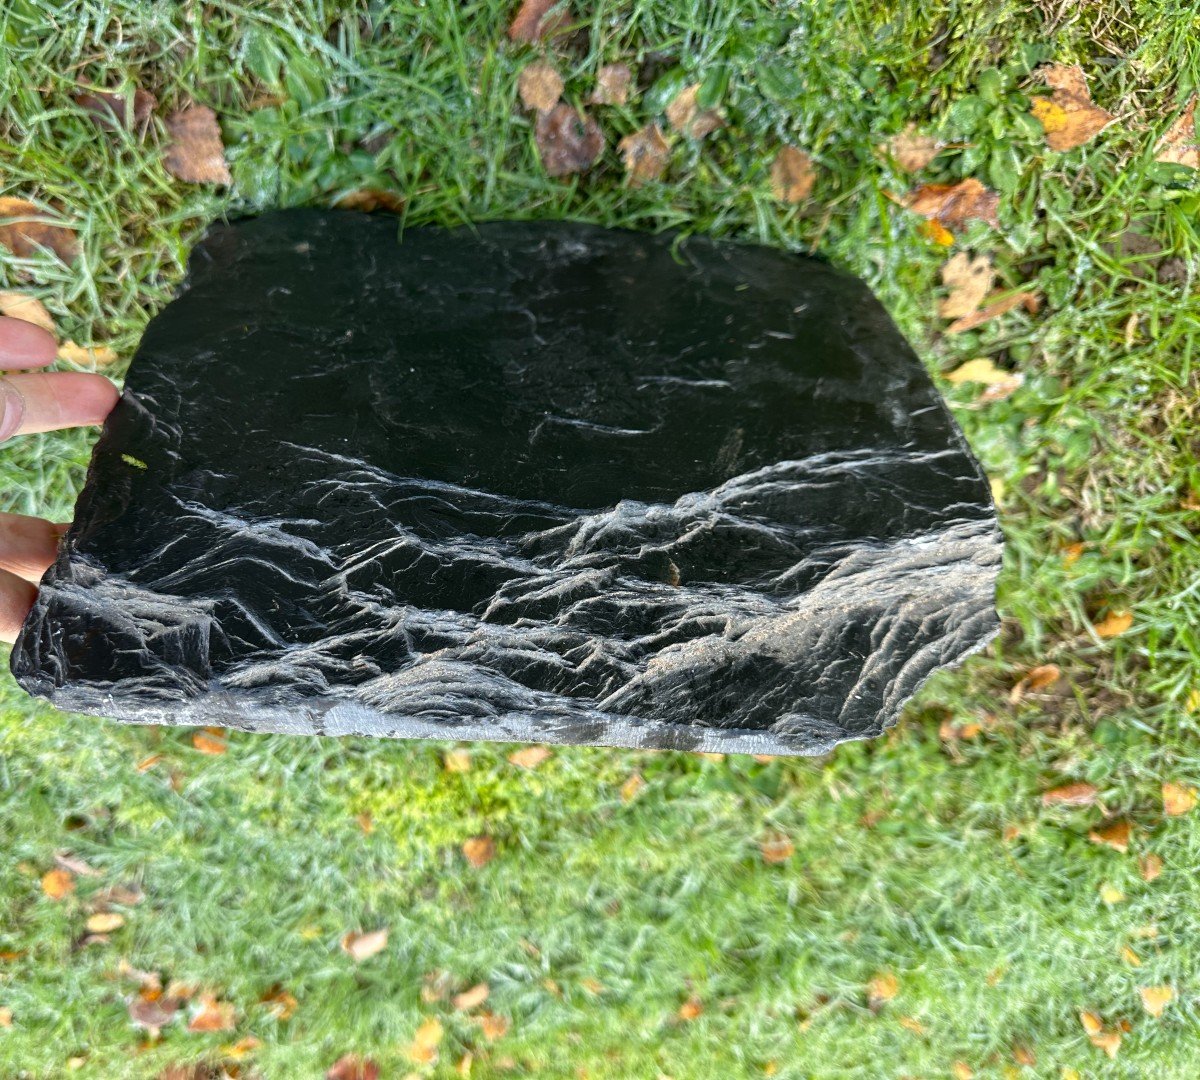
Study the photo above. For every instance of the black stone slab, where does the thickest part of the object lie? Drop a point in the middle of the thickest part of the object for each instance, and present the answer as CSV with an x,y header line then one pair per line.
x,y
527,481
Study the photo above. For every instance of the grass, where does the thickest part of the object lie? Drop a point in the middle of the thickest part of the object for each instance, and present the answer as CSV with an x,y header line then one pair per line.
x,y
923,855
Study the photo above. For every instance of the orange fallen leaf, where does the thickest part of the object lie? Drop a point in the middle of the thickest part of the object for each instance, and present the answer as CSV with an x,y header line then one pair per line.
x,y
1024,1057
960,1070
30,309
352,1067
152,1013
934,230
472,998
955,204
1156,998
1178,146
685,115
196,153
1130,957
910,150
1115,836
1069,116
87,355
212,1015
999,382
1177,799
968,278
882,988
479,850
28,230
776,848
792,175
911,1023
362,946
645,153
539,87
1113,624
58,883
530,757
426,1040
1150,866
992,311
568,141
115,109
612,85
592,986
691,1009
1079,793
457,760
372,201
1108,1041
280,1004
210,741
240,1049
537,18
6,1016
493,1026
1035,679
105,922
631,787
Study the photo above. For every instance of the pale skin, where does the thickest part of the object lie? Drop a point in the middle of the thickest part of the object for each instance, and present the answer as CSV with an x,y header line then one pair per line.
x,y
32,400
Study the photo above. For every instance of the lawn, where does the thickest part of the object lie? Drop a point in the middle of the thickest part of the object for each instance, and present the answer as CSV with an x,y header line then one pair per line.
x,y
936,916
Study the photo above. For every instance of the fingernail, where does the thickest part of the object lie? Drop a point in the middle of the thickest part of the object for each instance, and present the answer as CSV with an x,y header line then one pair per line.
x,y
12,409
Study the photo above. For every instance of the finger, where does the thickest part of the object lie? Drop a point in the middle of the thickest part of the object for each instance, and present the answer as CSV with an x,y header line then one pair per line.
x,y
23,345
16,598
28,545
49,401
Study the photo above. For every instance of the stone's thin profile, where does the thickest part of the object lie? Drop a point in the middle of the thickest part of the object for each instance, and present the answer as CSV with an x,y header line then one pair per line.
x,y
521,481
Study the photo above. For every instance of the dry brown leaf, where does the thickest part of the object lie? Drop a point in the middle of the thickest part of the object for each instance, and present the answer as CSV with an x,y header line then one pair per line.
x,y
151,1012
30,230
1179,146
280,1004
372,201
1177,799
6,1016
457,760
1156,998
58,883
210,741
1108,1041
540,87
87,355
960,1070
535,19
567,141
530,757
1113,624
645,153
1079,793
479,850
352,1067
27,308
361,946
631,787
426,1040
147,981
105,922
612,85
212,1015
685,115
911,1023
196,153
1150,866
1069,116
910,150
472,998
968,279
493,1026
1115,836
113,110
882,988
993,310
435,986
955,204
776,848
1024,1057
1035,679
691,1009
792,175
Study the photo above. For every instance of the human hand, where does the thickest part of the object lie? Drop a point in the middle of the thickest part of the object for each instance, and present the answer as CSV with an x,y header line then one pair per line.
x,y
36,401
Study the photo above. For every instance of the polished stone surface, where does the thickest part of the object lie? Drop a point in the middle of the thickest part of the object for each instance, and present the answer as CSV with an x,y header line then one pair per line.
x,y
527,481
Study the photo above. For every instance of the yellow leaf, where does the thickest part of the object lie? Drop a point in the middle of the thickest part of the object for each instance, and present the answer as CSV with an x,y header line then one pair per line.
x,y
882,988
424,1047
16,305
6,1015
58,883
1069,116
968,279
1130,957
457,760
934,230
1156,998
1113,624
1177,799
960,1070
631,787
105,922
1069,1074
86,355
1110,894
911,1023
363,946
1000,383
530,757
1092,1024
1024,1057
472,998
1108,1041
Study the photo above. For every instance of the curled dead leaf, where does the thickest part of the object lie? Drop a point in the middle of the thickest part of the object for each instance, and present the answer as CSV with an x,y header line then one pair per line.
x,y
86,355
645,153
479,850
1079,793
1113,624
1115,836
1178,146
196,153
16,305
1177,799
567,141
955,204
212,1015
792,175
28,229
537,18
992,311
362,946
1039,678
910,150
685,115
539,87
613,82
1069,116
968,278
